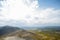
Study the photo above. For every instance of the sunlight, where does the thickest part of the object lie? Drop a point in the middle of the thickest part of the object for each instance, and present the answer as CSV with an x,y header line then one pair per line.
x,y
18,10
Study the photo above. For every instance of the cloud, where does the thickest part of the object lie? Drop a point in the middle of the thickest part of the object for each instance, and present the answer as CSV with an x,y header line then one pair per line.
x,y
18,10
24,12
48,15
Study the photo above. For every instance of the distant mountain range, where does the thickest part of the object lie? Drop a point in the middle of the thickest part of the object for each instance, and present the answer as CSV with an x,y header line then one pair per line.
x,y
9,29
42,28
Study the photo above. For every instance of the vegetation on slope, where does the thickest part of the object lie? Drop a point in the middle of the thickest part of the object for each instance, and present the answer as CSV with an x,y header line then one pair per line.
x,y
46,34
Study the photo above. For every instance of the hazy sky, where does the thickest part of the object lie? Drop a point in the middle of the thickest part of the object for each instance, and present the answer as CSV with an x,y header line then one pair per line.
x,y
30,12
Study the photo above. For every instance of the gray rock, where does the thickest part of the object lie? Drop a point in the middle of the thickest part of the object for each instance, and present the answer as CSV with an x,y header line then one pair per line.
x,y
13,38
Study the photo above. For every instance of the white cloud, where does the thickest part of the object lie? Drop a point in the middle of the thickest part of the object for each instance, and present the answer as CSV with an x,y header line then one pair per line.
x,y
26,11
16,10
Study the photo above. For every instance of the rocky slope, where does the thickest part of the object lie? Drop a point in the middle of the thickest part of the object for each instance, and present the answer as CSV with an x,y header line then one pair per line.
x,y
9,31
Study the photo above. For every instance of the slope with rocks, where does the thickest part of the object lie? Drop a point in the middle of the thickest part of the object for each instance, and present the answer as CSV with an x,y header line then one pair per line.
x,y
17,32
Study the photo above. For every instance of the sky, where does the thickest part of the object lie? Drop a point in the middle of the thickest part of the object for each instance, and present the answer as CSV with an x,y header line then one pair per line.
x,y
30,13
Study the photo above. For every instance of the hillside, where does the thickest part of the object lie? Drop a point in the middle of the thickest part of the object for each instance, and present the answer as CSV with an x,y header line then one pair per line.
x,y
8,31
15,33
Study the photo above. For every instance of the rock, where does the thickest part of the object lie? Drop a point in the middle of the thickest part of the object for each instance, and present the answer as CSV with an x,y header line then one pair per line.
x,y
13,38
